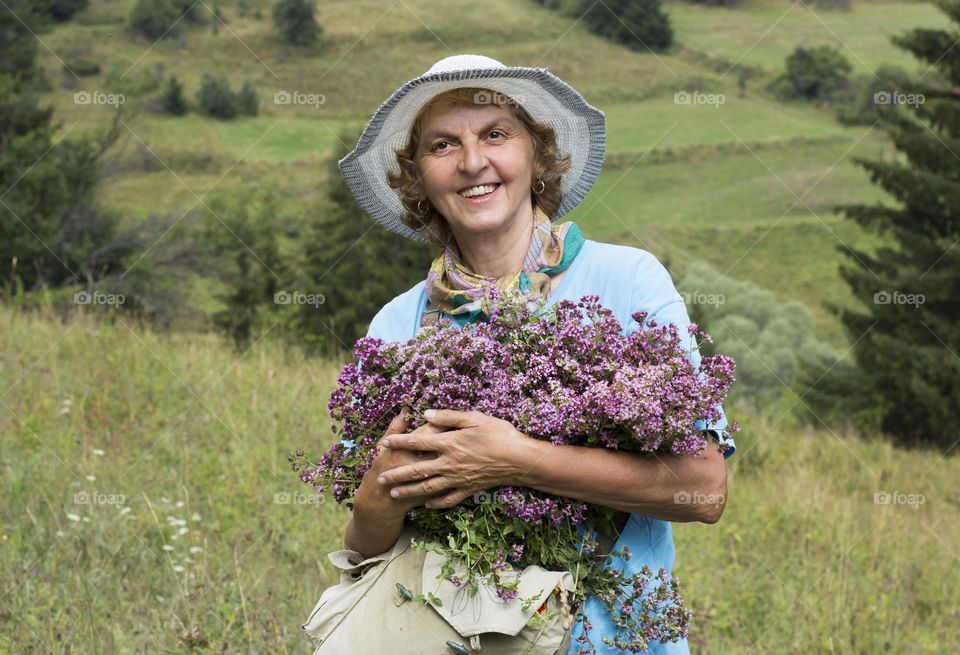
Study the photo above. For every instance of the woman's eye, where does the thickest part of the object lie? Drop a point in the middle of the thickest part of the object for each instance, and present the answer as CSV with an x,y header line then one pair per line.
x,y
494,132
436,146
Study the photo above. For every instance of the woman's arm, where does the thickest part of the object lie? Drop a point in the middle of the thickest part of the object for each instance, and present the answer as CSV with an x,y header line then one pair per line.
x,y
667,487
483,452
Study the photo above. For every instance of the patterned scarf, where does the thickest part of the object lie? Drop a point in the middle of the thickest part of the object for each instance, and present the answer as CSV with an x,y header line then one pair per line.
x,y
463,296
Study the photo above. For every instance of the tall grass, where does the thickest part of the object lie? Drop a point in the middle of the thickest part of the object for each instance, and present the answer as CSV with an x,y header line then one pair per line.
x,y
149,508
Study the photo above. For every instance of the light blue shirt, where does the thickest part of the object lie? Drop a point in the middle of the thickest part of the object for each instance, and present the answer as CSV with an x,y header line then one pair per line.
x,y
627,280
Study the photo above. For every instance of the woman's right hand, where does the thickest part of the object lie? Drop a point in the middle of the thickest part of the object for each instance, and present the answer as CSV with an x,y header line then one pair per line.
x,y
374,496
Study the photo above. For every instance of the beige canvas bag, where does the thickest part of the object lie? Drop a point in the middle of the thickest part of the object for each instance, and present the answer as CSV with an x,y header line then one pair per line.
x,y
369,612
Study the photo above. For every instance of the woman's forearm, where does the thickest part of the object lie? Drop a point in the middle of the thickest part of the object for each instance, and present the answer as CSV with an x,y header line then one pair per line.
x,y
371,534
667,487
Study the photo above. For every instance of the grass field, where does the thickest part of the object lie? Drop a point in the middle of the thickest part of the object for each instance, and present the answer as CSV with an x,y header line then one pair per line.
x,y
147,494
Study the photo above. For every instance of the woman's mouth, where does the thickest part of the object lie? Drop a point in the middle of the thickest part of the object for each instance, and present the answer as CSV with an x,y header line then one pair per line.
x,y
479,194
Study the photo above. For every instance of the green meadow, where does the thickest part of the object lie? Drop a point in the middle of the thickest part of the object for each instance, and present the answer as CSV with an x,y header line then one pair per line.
x,y
149,504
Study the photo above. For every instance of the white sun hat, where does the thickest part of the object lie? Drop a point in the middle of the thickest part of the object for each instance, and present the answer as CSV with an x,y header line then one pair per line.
x,y
580,129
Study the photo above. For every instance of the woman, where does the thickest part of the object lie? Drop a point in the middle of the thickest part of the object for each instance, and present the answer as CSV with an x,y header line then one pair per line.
x,y
482,159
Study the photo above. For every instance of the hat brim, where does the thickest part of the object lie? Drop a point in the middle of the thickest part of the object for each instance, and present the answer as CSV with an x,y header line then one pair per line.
x,y
580,129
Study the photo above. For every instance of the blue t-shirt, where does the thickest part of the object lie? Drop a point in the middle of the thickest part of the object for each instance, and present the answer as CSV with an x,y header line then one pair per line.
x,y
627,280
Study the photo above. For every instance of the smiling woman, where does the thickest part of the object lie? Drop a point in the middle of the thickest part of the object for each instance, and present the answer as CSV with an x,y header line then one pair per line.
x,y
482,160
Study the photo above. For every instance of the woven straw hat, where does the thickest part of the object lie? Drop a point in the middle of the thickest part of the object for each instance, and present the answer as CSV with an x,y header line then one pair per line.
x,y
581,131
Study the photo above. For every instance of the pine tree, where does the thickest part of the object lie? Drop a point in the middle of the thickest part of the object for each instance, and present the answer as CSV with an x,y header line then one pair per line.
x,y
215,97
357,265
247,102
51,232
906,336
173,100
295,21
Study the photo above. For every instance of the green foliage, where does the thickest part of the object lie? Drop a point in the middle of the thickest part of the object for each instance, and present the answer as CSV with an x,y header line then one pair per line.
x,y
51,232
862,102
638,24
904,330
356,264
215,97
155,18
294,20
772,341
173,101
63,10
812,73
240,238
247,102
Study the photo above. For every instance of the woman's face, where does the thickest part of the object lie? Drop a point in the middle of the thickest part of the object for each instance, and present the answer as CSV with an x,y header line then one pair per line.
x,y
465,147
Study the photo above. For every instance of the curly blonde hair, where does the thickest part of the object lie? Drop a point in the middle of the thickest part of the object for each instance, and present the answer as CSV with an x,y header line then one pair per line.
x,y
548,163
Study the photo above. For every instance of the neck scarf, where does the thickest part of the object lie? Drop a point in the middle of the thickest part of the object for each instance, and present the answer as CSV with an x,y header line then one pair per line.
x,y
456,291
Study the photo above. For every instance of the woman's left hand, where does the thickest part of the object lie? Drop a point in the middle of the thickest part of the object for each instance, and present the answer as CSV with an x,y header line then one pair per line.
x,y
472,456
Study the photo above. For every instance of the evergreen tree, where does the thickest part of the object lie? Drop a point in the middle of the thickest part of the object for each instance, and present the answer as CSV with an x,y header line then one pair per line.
x,y
51,232
905,335
241,239
357,265
638,24
247,102
215,97
295,21
173,100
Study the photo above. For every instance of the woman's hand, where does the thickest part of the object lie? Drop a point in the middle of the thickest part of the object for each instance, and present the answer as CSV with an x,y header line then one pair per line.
x,y
371,494
471,457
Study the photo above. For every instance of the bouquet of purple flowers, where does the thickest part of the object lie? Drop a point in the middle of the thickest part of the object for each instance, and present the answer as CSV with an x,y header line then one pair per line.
x,y
568,376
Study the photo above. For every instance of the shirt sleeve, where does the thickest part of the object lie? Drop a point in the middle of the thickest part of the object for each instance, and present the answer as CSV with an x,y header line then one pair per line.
x,y
653,291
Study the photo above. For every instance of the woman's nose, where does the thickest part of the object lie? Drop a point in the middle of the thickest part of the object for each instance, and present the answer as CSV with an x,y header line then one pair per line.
x,y
472,159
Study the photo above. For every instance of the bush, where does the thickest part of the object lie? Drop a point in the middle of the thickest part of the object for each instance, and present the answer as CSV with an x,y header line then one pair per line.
x,y
82,67
154,18
813,73
772,341
215,97
295,22
637,24
173,101
247,102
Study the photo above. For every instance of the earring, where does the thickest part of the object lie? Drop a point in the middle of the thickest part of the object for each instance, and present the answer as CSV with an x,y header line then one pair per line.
x,y
542,186
420,212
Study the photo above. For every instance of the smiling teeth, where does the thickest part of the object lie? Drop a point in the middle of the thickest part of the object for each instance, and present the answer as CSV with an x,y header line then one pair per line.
x,y
478,190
